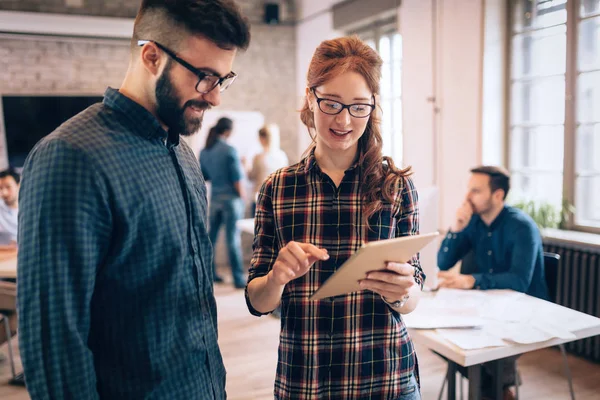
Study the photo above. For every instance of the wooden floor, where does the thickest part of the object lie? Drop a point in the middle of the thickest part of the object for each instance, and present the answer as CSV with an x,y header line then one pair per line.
x,y
249,347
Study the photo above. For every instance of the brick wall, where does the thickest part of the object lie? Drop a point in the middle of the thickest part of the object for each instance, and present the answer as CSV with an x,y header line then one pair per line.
x,y
253,9
46,65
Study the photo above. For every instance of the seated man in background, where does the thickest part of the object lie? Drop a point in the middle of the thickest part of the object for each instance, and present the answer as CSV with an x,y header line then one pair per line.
x,y
506,246
9,207
506,242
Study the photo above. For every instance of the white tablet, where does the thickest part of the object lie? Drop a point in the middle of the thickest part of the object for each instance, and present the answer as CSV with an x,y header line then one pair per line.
x,y
371,257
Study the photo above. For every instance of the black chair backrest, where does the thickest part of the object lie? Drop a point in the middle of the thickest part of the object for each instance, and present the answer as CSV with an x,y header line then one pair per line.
x,y
551,271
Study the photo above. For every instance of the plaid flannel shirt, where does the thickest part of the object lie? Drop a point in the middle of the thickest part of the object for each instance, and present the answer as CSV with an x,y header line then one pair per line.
x,y
352,346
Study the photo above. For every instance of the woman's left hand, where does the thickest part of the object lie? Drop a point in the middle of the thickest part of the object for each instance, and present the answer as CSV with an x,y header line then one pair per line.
x,y
394,282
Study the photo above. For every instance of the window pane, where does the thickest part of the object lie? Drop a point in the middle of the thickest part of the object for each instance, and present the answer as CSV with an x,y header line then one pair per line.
x,y
588,150
386,81
396,47
540,101
588,100
386,123
384,49
540,53
530,14
537,148
539,186
589,7
587,201
589,44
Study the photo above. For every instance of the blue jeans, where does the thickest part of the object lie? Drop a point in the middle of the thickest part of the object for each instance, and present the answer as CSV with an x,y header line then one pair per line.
x,y
228,212
413,390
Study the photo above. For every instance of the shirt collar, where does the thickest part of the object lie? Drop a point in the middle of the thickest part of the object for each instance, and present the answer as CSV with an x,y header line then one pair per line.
x,y
143,122
310,162
499,218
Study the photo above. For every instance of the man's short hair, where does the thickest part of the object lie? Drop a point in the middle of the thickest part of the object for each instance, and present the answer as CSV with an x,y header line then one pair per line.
x,y
168,22
11,172
499,177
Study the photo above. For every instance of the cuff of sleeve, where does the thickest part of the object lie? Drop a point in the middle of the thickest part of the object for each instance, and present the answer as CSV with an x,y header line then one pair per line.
x,y
420,277
479,285
253,310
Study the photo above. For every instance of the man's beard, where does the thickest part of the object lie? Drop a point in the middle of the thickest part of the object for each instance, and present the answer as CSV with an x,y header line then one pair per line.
x,y
169,111
485,209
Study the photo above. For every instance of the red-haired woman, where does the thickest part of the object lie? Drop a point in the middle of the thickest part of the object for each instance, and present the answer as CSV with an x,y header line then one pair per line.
x,y
312,216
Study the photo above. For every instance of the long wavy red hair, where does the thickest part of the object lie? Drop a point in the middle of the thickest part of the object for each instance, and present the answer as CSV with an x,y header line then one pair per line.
x,y
380,178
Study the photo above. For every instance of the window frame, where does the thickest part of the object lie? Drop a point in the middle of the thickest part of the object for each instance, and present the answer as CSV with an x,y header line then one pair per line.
x,y
374,32
569,171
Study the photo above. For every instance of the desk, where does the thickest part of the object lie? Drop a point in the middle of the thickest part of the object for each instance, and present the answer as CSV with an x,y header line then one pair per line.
x,y
246,225
8,266
580,324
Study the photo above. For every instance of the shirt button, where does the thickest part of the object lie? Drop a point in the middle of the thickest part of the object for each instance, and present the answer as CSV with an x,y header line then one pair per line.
x,y
491,270
454,236
449,236
445,249
489,234
489,252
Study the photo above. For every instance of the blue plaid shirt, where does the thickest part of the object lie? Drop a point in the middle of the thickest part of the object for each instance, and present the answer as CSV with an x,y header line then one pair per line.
x,y
115,299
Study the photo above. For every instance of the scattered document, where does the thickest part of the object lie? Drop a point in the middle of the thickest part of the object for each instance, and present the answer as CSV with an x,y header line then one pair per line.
x,y
470,339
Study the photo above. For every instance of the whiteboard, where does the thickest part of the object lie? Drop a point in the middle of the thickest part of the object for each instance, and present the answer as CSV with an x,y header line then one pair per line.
x,y
244,137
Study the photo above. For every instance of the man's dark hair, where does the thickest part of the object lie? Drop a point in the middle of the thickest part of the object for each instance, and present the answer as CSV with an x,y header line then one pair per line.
x,y
499,177
168,21
11,172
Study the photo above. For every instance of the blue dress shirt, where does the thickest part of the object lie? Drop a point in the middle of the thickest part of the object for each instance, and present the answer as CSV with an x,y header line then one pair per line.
x,y
508,253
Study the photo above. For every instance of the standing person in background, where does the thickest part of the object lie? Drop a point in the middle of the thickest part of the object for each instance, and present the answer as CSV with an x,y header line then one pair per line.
x,y
115,293
268,161
221,166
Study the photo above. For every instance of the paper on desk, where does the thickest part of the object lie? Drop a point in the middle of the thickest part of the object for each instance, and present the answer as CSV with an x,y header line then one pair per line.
x,y
431,314
470,339
425,321
529,333
500,333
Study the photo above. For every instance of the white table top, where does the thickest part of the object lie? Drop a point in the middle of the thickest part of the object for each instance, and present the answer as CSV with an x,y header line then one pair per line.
x,y
246,225
580,324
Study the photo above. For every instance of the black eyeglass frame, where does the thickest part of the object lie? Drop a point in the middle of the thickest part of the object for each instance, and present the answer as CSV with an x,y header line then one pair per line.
x,y
199,73
344,106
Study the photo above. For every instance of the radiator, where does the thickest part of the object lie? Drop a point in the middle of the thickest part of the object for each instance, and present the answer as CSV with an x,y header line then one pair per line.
x,y
578,288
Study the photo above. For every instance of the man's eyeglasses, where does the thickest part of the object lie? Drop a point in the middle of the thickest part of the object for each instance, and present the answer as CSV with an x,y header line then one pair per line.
x,y
331,107
206,81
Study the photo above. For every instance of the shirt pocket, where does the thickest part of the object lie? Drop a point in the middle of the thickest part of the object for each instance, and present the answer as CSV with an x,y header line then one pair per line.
x,y
383,224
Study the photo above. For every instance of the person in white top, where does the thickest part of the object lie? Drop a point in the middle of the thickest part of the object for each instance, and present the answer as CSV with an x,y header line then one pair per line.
x,y
10,181
268,161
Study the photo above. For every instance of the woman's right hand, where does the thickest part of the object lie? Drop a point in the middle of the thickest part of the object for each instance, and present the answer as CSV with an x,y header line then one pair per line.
x,y
294,260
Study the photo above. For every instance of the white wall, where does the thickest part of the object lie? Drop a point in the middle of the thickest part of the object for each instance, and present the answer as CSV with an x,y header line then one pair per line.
x,y
494,83
315,25
418,90
460,71
444,43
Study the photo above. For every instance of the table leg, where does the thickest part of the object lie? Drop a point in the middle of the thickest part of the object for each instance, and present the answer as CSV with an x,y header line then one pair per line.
x,y
475,382
451,379
498,375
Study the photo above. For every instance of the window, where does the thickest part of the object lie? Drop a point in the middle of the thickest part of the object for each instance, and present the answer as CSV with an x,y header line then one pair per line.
x,y
388,42
587,116
554,138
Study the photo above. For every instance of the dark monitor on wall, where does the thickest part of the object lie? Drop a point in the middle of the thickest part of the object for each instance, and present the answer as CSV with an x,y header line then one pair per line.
x,y
27,119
